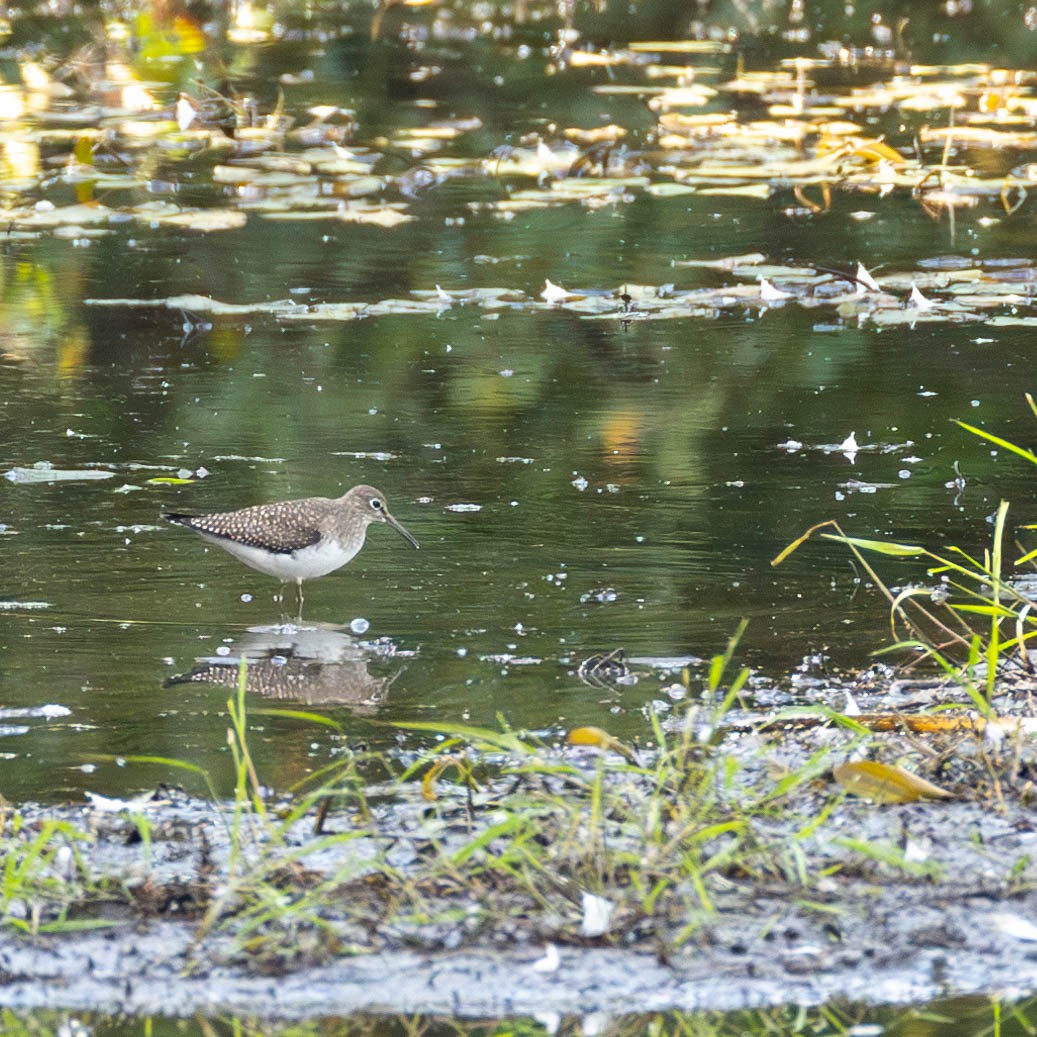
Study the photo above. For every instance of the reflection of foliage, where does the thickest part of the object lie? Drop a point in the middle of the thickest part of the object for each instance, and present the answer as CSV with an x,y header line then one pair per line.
x,y
164,48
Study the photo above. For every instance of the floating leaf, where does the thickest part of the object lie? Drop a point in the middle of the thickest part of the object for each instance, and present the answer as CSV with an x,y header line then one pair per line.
x,y
204,220
885,783
44,472
601,739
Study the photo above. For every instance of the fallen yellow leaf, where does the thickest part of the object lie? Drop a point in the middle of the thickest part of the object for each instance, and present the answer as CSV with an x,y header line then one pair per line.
x,y
602,740
885,783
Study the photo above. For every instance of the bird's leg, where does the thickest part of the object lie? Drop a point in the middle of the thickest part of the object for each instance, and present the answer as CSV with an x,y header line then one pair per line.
x,y
298,584
279,598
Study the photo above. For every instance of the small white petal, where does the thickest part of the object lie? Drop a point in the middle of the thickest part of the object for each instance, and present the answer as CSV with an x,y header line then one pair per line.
x,y
768,293
553,293
865,280
597,915
918,300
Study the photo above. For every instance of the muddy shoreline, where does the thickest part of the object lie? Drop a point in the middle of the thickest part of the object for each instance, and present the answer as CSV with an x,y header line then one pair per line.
x,y
867,932
143,973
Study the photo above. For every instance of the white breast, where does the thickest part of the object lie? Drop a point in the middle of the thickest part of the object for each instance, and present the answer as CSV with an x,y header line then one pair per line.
x,y
305,564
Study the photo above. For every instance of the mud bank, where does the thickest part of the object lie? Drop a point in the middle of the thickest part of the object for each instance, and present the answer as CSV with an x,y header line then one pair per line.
x,y
893,954
867,931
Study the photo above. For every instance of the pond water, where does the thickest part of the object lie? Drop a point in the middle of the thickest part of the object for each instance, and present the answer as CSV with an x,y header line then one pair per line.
x,y
590,317
585,472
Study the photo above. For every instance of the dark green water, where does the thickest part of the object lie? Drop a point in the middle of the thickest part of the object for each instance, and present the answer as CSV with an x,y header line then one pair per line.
x,y
577,485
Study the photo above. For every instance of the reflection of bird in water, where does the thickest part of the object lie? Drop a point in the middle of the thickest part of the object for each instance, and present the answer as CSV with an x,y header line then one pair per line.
x,y
299,539
315,666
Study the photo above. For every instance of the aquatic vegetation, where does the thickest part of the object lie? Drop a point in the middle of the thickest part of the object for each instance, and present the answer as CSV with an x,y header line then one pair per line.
x,y
975,622
591,839
987,294
720,802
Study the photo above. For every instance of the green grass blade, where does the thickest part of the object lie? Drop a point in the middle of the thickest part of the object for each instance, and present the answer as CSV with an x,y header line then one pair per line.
x,y
882,547
1026,455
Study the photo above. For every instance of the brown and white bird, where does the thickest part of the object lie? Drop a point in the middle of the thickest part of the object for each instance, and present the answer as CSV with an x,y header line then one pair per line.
x,y
296,540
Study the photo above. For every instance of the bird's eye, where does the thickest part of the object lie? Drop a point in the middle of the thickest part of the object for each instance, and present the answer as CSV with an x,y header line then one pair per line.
x,y
376,504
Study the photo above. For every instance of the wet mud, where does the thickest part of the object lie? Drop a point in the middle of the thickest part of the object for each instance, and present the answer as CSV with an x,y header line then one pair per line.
x,y
892,904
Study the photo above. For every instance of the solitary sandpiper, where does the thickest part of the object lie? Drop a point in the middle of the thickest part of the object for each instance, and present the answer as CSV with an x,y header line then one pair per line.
x,y
296,539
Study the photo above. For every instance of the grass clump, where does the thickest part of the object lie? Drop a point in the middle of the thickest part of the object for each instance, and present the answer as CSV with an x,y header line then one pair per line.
x,y
43,880
648,831
496,836
490,834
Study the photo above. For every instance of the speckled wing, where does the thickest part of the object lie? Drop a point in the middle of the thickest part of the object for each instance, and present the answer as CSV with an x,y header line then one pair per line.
x,y
281,528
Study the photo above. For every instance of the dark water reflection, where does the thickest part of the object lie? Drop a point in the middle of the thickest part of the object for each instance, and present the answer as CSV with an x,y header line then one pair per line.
x,y
577,486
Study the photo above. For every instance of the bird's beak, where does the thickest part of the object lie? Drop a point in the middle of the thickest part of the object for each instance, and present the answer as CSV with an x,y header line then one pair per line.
x,y
399,528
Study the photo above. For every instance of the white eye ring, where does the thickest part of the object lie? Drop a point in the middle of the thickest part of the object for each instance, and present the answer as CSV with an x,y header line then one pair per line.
x,y
376,504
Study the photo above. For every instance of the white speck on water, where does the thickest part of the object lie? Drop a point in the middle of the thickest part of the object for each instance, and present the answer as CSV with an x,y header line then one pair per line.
x,y
360,625
507,372
974,403
362,455
246,597
223,650
462,652
639,539
372,411
580,483
464,507
904,473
